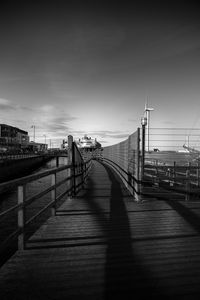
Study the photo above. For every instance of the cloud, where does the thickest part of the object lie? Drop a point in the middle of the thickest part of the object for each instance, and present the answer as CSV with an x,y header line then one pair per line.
x,y
6,105
169,122
103,134
119,136
52,121
132,120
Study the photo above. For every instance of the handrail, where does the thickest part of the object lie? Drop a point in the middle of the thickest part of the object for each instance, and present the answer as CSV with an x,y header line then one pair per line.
x,y
129,175
74,179
26,179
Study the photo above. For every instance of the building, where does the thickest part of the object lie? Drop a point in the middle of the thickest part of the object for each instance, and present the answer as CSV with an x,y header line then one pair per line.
x,y
12,138
36,147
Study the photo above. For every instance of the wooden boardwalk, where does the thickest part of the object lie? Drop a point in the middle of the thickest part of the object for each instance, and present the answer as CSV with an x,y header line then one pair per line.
x,y
104,245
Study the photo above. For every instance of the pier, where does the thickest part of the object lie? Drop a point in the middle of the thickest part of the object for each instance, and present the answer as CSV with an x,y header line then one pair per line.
x,y
122,229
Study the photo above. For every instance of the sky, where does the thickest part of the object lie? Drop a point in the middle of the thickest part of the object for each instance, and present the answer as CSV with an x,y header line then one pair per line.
x,y
88,67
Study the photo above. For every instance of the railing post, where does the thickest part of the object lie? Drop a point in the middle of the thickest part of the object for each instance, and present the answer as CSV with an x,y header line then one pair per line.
x,y
73,169
187,197
174,171
53,194
57,161
137,173
21,217
70,170
198,173
143,152
82,176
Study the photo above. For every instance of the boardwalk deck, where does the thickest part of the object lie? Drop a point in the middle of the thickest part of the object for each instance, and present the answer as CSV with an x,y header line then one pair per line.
x,y
103,245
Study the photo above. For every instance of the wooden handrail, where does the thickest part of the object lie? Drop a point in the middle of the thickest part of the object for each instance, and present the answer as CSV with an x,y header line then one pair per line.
x,y
29,178
75,179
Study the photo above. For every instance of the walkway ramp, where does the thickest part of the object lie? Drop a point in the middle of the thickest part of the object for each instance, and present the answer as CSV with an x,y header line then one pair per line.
x,y
103,245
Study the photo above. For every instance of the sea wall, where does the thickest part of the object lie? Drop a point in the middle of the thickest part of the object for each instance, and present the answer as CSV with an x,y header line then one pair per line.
x,y
11,169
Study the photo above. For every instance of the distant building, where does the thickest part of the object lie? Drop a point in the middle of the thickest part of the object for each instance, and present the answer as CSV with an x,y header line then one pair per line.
x,y
37,147
12,138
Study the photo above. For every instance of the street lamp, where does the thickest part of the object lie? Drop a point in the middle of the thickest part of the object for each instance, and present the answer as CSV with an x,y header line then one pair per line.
x,y
143,123
147,112
33,126
44,138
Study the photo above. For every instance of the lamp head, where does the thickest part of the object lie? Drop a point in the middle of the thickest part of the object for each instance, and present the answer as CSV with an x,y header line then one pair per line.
x,y
144,121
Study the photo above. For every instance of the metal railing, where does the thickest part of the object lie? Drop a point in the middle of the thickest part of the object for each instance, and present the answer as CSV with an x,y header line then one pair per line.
x,y
177,178
172,162
173,139
76,175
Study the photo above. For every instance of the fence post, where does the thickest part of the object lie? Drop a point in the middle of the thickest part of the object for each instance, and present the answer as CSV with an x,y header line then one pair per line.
x,y
82,176
157,179
21,217
198,173
53,194
143,151
70,170
137,173
57,161
187,197
174,172
74,169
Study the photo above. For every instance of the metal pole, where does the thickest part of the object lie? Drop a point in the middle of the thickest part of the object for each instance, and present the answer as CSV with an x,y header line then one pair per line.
x,y
143,152
70,170
148,130
34,133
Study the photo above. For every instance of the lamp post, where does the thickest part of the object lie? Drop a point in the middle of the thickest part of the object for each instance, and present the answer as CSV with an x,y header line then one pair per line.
x,y
44,141
143,123
44,138
147,112
33,126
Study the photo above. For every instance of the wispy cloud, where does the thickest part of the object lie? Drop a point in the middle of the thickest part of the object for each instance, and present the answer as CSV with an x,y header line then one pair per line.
x,y
6,105
104,134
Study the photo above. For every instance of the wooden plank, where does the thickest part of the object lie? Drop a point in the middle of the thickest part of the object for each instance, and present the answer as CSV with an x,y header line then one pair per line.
x,y
102,244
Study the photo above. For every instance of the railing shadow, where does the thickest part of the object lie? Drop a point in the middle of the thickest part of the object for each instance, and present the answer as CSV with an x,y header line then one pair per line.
x,y
186,213
124,275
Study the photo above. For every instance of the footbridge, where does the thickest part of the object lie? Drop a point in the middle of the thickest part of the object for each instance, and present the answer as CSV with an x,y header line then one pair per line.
x,y
111,223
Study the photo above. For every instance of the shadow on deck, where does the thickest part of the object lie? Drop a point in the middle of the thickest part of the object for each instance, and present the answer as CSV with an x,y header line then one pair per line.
x,y
103,245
